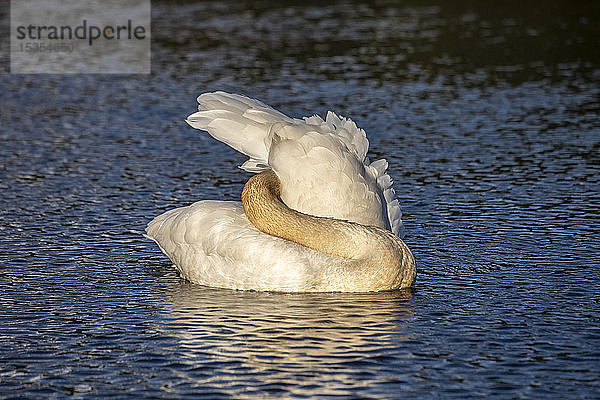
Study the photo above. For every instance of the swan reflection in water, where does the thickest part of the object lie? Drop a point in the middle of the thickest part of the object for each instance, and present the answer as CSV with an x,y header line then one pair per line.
x,y
294,340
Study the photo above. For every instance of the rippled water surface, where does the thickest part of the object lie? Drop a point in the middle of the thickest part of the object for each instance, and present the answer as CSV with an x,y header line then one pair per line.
x,y
489,116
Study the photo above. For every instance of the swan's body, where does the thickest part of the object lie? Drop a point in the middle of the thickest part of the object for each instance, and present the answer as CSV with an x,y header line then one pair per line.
x,y
319,218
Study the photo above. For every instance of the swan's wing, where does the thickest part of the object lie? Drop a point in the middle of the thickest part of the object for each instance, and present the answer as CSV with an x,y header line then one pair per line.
x,y
321,176
239,122
378,169
244,124
355,141
345,129
213,243
322,163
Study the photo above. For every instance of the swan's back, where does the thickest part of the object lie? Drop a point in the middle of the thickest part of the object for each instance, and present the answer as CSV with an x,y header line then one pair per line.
x,y
322,164
212,243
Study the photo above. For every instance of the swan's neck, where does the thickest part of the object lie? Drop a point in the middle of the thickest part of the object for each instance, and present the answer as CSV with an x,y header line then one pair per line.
x,y
378,252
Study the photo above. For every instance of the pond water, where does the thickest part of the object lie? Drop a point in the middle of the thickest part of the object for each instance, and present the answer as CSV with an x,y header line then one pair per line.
x,y
489,117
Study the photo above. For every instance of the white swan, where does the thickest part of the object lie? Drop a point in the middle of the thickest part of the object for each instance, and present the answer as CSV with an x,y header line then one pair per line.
x,y
318,216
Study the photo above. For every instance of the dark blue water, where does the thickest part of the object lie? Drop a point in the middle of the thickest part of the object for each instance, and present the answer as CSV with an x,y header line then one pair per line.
x,y
490,119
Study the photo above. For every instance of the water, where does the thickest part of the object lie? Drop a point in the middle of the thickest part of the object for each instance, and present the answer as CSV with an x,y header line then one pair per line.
x,y
489,117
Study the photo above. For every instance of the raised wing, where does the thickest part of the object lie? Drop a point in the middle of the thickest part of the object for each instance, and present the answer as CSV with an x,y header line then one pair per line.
x,y
321,163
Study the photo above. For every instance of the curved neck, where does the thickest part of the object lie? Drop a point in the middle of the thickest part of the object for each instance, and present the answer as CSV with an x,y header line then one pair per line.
x,y
370,246
267,212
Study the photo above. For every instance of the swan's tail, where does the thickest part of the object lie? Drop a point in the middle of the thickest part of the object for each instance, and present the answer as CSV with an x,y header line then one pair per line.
x,y
239,122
